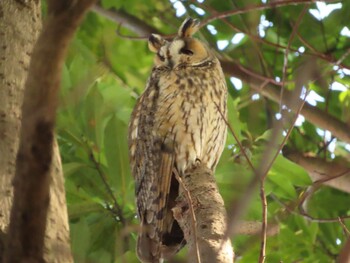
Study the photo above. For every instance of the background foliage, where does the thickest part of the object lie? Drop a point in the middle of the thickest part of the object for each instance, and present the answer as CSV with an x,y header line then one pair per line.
x,y
105,72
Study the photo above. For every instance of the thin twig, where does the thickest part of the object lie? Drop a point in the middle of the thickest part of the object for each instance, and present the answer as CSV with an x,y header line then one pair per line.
x,y
285,61
251,8
102,175
143,31
345,229
307,194
262,189
287,135
236,138
193,216
262,255
338,62
305,215
325,142
250,72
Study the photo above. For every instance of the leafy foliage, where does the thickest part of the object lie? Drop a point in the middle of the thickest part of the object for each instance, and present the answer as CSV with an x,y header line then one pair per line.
x,y
105,73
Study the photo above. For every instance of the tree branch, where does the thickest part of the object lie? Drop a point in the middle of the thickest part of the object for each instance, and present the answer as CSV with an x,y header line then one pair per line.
x,y
129,21
256,7
319,169
34,158
313,114
253,228
210,214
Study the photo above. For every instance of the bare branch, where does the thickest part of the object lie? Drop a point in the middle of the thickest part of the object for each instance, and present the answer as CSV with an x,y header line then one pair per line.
x,y
129,21
285,59
306,195
319,169
345,229
269,5
306,215
262,254
313,114
252,228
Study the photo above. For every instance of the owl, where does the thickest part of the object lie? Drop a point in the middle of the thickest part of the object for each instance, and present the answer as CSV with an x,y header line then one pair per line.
x,y
177,123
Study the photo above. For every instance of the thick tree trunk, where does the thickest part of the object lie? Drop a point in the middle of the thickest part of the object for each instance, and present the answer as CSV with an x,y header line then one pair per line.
x,y
20,23
57,239
19,27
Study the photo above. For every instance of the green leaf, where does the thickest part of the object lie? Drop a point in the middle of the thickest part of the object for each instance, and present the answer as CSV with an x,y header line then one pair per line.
x,y
100,256
290,171
80,240
280,186
83,208
233,118
116,149
70,168
66,82
94,119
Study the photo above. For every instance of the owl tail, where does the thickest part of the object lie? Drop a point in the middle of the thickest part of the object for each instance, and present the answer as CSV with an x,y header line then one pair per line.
x,y
148,249
160,236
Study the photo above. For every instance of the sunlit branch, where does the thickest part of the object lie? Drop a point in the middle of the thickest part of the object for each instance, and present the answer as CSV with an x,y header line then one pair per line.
x,y
251,8
231,68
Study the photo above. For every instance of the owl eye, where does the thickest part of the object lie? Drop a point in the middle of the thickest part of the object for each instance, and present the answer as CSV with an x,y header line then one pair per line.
x,y
186,51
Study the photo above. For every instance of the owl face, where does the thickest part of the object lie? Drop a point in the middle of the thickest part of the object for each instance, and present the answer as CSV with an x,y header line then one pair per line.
x,y
183,50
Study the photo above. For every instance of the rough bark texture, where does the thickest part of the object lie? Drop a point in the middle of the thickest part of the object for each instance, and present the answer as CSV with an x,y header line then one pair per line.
x,y
19,27
211,220
34,159
57,239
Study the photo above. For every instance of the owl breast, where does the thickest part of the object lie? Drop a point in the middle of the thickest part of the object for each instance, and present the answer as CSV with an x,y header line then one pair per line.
x,y
191,107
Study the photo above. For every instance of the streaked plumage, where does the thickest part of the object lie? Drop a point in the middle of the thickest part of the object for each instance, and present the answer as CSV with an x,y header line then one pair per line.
x,y
175,124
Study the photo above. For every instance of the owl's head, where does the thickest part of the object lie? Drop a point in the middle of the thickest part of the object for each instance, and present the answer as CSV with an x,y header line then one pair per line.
x,y
183,50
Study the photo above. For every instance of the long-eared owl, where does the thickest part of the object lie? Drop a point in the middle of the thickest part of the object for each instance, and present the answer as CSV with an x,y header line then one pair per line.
x,y
177,123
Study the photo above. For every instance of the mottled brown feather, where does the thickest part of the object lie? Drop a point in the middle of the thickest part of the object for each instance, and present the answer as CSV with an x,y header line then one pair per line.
x,y
176,123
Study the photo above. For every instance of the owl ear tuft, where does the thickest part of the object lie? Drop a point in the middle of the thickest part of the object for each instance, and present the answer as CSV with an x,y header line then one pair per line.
x,y
155,42
188,27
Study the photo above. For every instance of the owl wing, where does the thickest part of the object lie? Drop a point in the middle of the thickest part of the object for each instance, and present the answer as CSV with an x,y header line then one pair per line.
x,y
152,164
